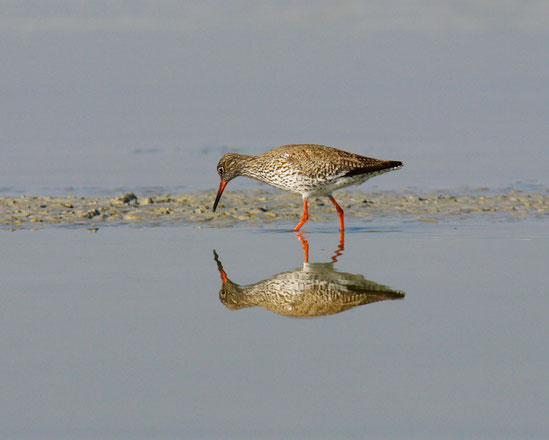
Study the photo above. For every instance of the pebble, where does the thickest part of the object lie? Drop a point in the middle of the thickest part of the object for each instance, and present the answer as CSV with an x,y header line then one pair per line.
x,y
264,207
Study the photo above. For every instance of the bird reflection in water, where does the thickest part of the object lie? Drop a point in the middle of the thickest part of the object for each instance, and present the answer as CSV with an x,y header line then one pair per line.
x,y
316,289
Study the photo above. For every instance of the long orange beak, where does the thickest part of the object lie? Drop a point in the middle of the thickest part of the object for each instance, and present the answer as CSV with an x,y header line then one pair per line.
x,y
222,186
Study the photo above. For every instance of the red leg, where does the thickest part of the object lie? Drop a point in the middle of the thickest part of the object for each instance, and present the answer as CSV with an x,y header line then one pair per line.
x,y
304,217
339,213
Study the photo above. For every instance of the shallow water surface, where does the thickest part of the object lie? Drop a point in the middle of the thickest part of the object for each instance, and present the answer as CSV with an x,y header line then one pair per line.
x,y
128,333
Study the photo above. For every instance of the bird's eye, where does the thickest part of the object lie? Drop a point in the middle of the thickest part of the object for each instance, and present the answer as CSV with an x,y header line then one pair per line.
x,y
220,170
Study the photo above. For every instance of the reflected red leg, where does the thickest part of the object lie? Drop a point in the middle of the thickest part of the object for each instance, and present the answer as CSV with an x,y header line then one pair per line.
x,y
339,213
305,244
340,247
304,217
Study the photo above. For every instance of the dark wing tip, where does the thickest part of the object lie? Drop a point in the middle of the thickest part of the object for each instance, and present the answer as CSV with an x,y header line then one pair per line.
x,y
374,168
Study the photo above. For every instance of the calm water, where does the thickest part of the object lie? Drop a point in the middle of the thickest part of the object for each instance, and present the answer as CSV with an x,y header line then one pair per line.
x,y
121,333
92,103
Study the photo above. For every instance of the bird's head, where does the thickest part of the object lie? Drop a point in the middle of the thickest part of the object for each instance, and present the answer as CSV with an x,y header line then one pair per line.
x,y
228,167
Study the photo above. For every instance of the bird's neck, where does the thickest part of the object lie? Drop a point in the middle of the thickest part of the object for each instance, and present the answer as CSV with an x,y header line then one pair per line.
x,y
247,165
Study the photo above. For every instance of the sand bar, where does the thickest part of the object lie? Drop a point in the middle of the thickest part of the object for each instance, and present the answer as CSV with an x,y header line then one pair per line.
x,y
264,207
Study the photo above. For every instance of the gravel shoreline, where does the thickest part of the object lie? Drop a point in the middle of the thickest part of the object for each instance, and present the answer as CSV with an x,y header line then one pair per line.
x,y
258,206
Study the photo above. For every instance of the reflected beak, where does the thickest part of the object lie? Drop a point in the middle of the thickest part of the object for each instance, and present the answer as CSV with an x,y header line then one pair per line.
x,y
222,186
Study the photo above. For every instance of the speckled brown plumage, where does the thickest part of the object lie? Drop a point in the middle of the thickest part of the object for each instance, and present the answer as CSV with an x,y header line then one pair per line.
x,y
310,170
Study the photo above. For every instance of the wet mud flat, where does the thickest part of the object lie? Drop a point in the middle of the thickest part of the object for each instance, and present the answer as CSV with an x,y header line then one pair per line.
x,y
257,206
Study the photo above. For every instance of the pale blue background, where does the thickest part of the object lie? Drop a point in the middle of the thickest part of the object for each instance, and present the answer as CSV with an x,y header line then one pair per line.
x,y
121,94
